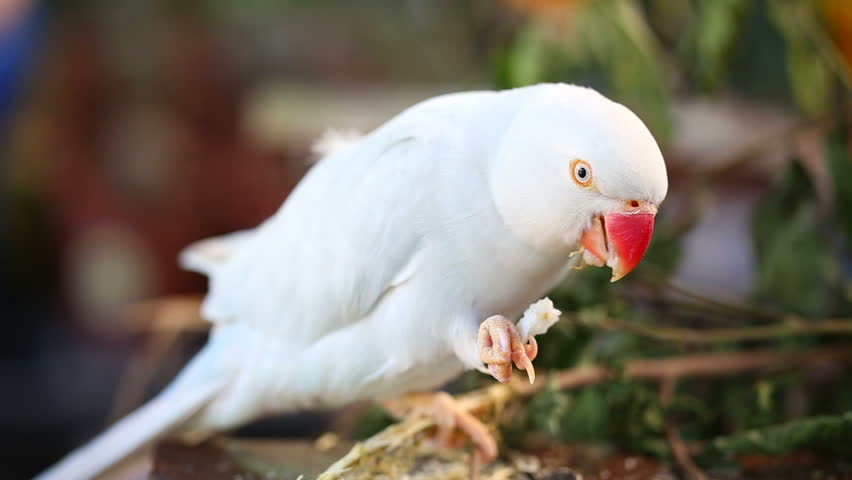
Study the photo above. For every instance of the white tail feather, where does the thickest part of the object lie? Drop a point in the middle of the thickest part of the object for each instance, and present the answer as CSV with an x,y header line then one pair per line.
x,y
153,420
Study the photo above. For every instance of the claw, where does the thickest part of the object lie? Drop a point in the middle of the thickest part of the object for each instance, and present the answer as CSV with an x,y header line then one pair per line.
x,y
523,358
523,362
500,346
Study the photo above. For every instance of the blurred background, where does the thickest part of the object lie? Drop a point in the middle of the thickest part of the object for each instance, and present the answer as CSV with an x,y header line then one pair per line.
x,y
129,129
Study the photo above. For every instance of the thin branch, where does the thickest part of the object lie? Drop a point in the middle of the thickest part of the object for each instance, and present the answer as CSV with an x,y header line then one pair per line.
x,y
668,388
681,453
747,310
730,363
177,312
654,277
793,326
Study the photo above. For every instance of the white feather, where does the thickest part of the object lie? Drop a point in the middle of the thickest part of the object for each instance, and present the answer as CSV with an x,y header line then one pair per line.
x,y
206,255
333,141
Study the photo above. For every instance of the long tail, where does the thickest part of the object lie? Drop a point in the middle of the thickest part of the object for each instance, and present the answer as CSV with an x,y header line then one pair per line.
x,y
171,408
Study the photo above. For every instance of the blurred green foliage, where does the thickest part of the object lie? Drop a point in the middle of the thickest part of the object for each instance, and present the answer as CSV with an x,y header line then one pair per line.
x,y
795,265
626,413
707,47
810,75
606,43
840,166
823,434
644,53
802,248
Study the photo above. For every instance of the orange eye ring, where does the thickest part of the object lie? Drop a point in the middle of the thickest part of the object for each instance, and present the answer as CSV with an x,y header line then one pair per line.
x,y
581,172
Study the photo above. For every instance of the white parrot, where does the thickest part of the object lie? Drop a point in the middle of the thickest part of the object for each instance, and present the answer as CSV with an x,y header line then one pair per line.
x,y
397,261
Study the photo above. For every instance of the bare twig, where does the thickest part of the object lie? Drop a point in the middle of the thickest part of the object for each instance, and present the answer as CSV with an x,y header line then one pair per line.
x,y
178,312
730,363
681,453
668,387
653,276
792,326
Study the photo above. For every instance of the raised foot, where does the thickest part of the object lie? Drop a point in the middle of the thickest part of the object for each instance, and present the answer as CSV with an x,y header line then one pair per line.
x,y
500,345
449,416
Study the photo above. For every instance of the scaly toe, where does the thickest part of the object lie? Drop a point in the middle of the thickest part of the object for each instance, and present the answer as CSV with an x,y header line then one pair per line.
x,y
494,341
468,424
502,372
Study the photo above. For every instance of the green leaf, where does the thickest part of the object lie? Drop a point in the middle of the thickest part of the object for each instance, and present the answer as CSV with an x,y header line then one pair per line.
x,y
811,77
795,266
563,345
526,58
828,434
374,421
714,34
840,166
588,287
663,253
607,44
621,412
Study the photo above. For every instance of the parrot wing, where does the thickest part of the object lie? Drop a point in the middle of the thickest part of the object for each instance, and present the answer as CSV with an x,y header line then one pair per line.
x,y
347,235
343,241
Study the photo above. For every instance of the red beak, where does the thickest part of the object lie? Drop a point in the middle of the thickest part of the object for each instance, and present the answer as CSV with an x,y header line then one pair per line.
x,y
621,238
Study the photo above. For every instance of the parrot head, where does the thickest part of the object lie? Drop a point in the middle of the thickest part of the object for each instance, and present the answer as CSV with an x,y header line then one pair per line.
x,y
573,168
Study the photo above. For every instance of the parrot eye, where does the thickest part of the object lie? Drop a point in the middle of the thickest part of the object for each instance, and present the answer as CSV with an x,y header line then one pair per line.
x,y
582,172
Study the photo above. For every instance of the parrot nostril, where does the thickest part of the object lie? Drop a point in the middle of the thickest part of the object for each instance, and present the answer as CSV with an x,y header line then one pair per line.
x,y
634,204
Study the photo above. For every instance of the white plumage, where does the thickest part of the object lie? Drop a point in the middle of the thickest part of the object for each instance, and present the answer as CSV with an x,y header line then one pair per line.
x,y
374,276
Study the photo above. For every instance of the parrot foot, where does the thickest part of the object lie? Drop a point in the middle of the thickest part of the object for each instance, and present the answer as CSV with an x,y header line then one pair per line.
x,y
500,345
449,416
